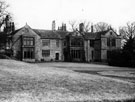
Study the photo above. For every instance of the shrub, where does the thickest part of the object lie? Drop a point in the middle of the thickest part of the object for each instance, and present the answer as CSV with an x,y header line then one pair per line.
x,y
115,58
121,58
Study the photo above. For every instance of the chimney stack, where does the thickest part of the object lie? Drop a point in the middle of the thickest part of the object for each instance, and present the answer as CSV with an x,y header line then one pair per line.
x,y
13,27
53,25
81,27
64,27
92,30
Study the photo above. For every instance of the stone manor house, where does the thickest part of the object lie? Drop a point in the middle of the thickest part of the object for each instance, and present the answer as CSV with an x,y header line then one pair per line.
x,y
32,45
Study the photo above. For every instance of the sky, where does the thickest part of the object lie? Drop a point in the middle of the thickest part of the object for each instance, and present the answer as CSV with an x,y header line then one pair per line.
x,y
40,13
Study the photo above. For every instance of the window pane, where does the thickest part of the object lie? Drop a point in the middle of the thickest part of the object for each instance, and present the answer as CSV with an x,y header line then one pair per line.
x,y
45,53
91,43
28,41
57,43
108,41
113,42
77,42
45,42
28,53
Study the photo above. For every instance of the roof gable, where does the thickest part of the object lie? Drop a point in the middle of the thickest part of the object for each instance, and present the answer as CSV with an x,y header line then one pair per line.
x,y
25,31
110,33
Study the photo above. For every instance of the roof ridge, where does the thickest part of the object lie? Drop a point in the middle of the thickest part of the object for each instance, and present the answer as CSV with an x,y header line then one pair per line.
x,y
42,29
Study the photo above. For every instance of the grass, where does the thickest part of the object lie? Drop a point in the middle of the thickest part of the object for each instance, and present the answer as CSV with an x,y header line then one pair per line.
x,y
23,82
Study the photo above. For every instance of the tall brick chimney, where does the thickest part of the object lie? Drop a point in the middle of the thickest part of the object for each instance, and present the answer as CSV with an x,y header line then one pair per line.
x,y
64,27
81,27
53,25
92,30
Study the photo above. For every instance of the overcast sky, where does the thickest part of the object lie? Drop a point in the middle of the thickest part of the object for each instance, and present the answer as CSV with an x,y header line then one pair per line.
x,y
40,13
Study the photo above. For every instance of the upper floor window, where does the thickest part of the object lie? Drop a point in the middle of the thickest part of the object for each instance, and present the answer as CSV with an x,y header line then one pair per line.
x,y
46,42
78,42
64,43
28,41
108,41
57,43
91,43
111,33
111,42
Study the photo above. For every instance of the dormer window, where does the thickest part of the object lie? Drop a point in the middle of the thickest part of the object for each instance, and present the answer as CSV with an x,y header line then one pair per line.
x,y
45,42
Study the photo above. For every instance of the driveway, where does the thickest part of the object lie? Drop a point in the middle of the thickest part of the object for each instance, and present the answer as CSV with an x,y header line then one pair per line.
x,y
84,66
123,73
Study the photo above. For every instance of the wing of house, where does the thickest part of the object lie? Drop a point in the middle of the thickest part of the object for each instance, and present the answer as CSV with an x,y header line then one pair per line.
x,y
36,45
98,44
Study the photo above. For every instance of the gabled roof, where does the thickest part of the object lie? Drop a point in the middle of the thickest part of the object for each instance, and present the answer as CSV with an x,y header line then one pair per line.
x,y
15,31
106,31
57,34
97,35
102,32
48,34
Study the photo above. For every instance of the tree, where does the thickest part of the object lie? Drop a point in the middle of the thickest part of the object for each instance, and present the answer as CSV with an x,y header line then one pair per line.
x,y
5,24
87,25
74,25
128,31
3,12
101,26
128,34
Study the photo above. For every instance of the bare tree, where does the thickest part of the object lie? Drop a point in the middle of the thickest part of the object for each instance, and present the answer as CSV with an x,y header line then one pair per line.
x,y
3,12
74,25
128,31
101,26
5,18
87,26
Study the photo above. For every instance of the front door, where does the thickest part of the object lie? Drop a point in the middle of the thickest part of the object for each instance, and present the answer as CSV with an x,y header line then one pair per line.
x,y
56,56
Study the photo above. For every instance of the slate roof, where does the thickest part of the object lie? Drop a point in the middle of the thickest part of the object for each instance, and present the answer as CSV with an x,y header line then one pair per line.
x,y
102,32
90,35
48,34
62,33
97,35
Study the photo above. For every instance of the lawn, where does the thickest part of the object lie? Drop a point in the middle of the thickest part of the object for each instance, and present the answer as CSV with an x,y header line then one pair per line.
x,y
23,82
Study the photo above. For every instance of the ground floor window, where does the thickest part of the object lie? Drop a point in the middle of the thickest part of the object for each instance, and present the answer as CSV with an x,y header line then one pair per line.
x,y
45,53
76,53
28,53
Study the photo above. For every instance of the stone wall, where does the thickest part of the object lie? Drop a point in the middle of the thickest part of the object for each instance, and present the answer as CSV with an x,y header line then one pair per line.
x,y
17,43
53,50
